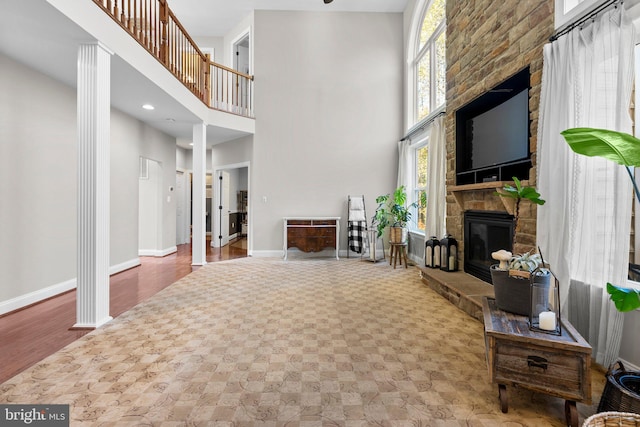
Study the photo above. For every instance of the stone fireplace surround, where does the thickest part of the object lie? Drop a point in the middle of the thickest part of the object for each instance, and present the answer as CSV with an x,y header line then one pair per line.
x,y
488,42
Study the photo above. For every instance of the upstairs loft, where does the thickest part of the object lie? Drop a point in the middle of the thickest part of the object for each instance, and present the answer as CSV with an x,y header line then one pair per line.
x,y
158,30
153,61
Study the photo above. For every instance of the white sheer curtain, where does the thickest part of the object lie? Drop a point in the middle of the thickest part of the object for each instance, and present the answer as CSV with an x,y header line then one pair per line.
x,y
404,164
583,229
436,177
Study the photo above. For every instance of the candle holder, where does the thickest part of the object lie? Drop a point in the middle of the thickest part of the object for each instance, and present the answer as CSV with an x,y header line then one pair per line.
x,y
448,253
545,303
432,253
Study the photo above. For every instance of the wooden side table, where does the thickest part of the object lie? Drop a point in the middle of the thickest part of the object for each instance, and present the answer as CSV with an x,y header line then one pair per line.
x,y
311,234
398,250
556,365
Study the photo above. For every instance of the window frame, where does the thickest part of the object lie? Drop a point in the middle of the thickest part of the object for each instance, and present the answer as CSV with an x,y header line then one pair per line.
x,y
415,55
563,18
422,142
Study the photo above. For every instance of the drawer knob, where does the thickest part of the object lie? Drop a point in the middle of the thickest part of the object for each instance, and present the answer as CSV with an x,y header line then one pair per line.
x,y
537,362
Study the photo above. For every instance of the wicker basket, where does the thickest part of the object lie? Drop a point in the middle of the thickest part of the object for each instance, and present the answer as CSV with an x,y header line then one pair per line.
x,y
611,419
620,392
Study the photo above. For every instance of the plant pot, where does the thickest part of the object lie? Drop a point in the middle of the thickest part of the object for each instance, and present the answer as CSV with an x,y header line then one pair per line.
x,y
398,235
622,390
513,293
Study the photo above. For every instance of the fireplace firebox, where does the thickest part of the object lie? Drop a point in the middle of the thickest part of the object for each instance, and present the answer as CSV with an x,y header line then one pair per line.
x,y
485,232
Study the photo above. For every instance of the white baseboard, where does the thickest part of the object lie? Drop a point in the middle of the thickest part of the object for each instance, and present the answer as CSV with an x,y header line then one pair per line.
x,y
36,296
629,366
57,289
157,252
267,254
115,269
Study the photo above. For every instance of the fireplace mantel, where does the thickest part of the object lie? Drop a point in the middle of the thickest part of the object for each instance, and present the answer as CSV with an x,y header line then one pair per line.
x,y
459,190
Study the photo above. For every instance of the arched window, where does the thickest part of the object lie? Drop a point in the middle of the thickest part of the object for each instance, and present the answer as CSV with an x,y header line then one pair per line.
x,y
428,61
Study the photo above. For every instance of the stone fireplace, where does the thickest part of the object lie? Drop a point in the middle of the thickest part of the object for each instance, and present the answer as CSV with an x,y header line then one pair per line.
x,y
487,43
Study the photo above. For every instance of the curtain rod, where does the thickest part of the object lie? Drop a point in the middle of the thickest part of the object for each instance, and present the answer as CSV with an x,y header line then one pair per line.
x,y
585,18
421,126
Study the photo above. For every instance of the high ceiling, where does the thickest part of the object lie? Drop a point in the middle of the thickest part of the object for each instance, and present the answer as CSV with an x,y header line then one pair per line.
x,y
214,18
37,35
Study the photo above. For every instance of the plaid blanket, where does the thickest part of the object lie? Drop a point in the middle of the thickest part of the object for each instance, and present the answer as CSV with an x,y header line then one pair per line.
x,y
356,235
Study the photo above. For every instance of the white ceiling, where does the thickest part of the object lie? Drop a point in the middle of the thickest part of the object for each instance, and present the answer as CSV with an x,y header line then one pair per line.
x,y
36,34
215,18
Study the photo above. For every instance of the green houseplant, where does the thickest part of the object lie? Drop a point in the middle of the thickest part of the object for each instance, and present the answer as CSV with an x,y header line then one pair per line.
x,y
524,264
393,212
511,279
519,192
623,387
623,149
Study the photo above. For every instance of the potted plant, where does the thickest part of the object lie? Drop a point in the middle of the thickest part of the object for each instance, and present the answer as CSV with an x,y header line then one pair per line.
x,y
393,212
511,279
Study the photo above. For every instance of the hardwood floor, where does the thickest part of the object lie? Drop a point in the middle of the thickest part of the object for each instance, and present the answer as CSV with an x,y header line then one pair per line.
x,y
33,333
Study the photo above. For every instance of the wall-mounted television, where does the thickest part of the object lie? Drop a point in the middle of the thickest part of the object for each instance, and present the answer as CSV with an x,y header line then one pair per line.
x,y
492,134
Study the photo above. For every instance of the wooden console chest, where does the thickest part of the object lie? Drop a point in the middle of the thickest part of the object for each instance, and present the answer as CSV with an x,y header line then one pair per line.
x,y
311,234
556,365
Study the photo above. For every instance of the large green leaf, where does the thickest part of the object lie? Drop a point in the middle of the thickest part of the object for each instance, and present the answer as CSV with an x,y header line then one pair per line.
x,y
619,147
625,299
520,192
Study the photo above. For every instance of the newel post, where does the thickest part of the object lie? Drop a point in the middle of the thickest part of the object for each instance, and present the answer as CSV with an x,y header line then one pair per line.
x,y
164,32
207,80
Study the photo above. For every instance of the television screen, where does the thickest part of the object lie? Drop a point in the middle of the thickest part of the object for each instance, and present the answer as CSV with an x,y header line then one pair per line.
x,y
501,134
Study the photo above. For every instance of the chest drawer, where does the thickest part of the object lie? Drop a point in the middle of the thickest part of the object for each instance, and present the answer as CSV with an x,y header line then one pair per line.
x,y
556,372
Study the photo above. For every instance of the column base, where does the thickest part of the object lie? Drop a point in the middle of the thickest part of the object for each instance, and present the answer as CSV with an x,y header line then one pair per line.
x,y
89,326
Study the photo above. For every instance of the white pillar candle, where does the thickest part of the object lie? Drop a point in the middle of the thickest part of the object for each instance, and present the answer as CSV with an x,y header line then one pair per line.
x,y
548,320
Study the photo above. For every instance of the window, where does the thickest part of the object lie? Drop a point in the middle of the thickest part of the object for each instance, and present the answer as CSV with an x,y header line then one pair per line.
x,y
567,11
634,247
420,156
428,62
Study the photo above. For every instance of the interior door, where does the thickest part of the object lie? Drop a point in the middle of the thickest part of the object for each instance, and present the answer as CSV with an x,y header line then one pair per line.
x,y
223,178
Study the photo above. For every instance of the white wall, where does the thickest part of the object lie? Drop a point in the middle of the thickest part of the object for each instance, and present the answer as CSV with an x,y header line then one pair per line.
x,y
38,150
232,152
131,139
182,159
38,157
149,209
216,43
329,114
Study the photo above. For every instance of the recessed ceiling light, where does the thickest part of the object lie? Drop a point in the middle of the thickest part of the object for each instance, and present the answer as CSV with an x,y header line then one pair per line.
x,y
148,107
191,144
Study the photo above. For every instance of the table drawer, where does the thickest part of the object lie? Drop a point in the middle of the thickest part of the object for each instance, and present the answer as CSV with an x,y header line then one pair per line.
x,y
311,244
545,369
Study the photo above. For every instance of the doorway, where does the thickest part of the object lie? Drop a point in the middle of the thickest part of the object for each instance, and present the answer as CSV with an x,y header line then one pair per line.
x,y
231,223
241,57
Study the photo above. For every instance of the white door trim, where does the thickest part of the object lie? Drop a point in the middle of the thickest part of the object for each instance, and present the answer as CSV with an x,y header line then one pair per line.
x,y
247,165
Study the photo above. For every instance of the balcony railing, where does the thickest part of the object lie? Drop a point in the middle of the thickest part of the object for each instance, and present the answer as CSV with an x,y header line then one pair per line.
x,y
155,27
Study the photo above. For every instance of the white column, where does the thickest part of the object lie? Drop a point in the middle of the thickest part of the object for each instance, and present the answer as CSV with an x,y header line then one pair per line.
x,y
199,231
94,103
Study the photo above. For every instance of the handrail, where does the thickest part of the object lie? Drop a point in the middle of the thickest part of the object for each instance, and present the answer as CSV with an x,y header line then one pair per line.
x,y
158,30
